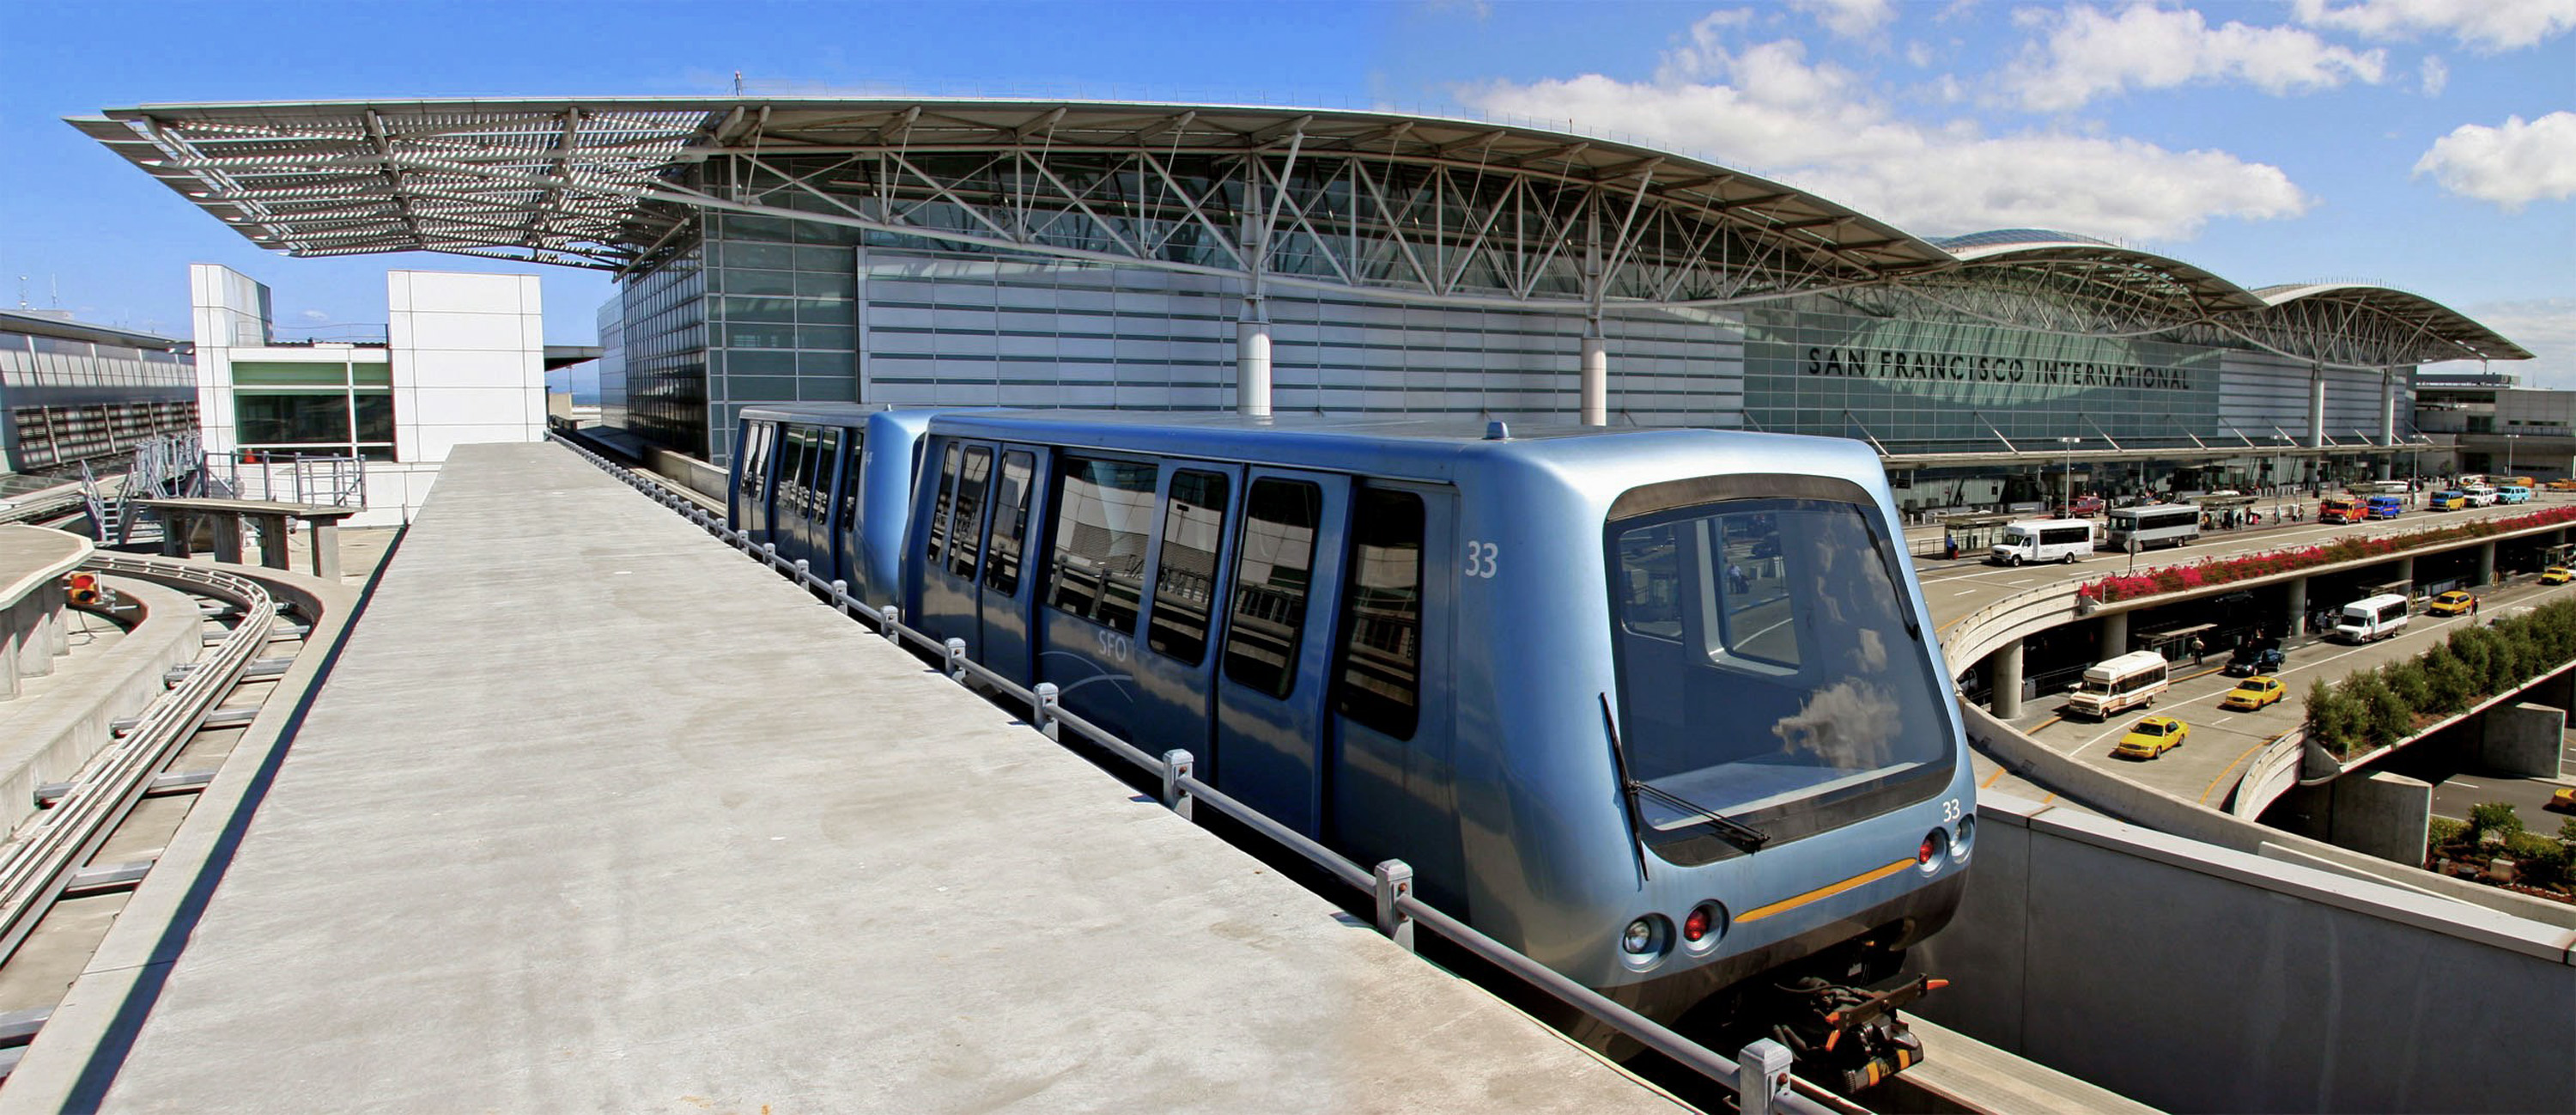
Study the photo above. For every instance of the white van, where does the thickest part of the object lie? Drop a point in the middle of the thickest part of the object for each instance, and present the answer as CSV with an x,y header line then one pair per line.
x,y
2479,495
2043,540
2372,618
2114,684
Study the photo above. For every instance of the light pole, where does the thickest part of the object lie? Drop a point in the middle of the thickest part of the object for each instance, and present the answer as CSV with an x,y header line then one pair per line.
x,y
2509,439
2069,443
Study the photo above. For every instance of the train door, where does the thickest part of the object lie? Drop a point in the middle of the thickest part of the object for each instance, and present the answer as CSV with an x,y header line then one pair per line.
x,y
946,604
822,483
1101,516
1175,701
845,509
751,488
1388,787
792,512
1274,667
1005,588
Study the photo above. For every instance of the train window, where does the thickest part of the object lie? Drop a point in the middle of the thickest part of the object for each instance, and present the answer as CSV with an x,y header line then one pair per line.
x,y
755,460
939,509
1382,614
795,470
965,536
1185,578
1781,620
1010,523
1273,571
827,451
1104,513
850,478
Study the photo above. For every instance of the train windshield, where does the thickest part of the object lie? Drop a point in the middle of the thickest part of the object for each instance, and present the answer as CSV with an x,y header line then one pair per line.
x,y
1770,675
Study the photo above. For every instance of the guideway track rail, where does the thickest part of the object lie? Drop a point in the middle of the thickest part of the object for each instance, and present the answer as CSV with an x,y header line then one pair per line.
x,y
81,821
1398,911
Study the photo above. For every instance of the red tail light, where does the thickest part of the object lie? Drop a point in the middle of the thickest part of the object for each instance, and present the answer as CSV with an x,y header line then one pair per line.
x,y
1695,927
1931,847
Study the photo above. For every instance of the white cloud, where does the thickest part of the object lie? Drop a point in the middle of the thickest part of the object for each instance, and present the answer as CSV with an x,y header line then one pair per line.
x,y
314,315
2485,25
2546,326
2088,54
1764,107
2511,166
1850,19
2437,75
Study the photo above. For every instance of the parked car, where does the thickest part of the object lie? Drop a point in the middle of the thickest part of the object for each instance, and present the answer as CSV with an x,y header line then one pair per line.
x,y
2556,575
2564,801
2448,501
2479,495
2254,693
2086,506
2513,494
2255,659
2150,737
2452,603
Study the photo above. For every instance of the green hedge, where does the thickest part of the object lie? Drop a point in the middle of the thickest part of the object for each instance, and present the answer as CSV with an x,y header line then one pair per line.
x,y
2375,708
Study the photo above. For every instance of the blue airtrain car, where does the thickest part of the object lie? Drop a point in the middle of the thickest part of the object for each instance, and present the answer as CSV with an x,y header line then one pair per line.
x,y
810,477
1659,708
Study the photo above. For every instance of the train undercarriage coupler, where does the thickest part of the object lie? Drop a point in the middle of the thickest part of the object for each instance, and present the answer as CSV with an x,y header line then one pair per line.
x,y
1853,1034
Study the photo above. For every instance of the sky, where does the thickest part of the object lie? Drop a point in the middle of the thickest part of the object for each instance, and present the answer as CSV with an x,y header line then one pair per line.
x,y
2429,145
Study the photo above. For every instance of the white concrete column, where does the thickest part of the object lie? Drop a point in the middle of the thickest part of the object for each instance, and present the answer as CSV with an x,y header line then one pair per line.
x,y
2387,409
2486,563
1252,363
2317,407
1596,378
2115,634
2298,609
2005,669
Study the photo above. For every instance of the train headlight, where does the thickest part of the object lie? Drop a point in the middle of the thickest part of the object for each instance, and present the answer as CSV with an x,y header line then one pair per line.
x,y
1967,836
1639,940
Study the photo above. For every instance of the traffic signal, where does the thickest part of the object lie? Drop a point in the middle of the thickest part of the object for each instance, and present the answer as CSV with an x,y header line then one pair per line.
x,y
84,590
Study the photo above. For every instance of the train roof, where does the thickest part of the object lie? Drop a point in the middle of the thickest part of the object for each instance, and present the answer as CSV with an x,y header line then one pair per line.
x,y
829,414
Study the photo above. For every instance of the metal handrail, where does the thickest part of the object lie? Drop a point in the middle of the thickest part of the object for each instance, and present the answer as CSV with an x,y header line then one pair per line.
x,y
1398,909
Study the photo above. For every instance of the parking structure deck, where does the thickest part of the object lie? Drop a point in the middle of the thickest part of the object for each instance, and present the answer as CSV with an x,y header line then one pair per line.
x,y
594,814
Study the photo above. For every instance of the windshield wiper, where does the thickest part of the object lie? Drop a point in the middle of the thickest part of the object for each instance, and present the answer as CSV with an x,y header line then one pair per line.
x,y
1733,832
1904,606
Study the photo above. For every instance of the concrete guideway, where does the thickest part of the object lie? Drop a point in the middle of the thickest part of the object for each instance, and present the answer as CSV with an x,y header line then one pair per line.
x,y
781,864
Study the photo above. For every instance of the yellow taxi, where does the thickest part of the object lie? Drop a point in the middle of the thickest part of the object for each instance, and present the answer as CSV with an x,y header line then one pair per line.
x,y
2254,693
2150,737
2564,801
2557,575
2452,603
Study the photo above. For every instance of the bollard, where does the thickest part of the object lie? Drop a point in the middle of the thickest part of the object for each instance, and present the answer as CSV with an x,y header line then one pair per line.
x,y
1043,716
1394,881
1761,1077
841,596
893,618
769,554
957,660
804,571
1176,766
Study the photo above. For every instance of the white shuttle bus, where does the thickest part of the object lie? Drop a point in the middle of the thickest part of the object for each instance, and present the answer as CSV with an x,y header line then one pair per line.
x,y
2115,684
2043,540
2145,528
2371,618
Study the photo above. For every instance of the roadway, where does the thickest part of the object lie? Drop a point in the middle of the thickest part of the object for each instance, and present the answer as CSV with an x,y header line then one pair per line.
x,y
1956,588
2223,741
2205,767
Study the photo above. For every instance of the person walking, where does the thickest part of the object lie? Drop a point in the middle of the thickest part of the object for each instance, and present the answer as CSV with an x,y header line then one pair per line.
x,y
2199,651
2473,606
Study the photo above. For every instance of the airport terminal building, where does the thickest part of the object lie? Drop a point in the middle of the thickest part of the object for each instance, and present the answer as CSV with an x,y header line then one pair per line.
x,y
1154,256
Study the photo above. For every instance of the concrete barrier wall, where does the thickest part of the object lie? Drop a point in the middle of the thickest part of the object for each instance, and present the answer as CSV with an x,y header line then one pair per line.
x,y
2196,978
47,738
691,473
2523,739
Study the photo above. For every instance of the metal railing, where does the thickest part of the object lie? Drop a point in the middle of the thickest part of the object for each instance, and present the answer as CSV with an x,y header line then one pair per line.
x,y
320,479
1391,882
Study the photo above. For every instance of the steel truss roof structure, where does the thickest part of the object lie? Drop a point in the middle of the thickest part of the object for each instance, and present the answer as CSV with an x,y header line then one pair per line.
x,y
1450,212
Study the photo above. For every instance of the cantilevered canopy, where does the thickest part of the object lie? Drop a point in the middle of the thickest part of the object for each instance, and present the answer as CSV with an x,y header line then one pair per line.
x,y
1413,207
2117,280
2390,326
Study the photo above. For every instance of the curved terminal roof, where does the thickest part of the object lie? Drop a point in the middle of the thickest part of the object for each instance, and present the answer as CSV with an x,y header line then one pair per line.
x,y
1407,207
1455,209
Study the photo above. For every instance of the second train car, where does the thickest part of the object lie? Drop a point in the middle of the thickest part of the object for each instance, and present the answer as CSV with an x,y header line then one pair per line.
x,y
1659,708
